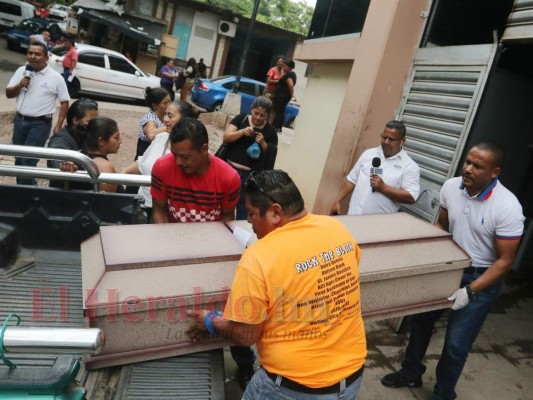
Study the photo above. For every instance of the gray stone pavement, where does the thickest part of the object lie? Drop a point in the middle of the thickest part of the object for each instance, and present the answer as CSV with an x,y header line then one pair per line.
x,y
500,365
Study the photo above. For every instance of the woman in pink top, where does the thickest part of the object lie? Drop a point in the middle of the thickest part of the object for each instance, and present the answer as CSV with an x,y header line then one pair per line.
x,y
272,80
69,60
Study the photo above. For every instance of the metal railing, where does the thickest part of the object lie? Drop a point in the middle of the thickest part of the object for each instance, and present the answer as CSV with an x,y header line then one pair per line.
x,y
23,339
91,174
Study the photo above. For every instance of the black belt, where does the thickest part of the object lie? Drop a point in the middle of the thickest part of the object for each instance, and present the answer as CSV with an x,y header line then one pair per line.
x,y
475,270
298,387
28,118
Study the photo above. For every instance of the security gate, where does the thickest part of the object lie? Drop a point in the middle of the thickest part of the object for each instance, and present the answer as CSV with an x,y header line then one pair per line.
x,y
438,107
520,22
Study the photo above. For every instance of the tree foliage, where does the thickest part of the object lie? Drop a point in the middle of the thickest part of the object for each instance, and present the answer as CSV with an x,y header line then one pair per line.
x,y
287,14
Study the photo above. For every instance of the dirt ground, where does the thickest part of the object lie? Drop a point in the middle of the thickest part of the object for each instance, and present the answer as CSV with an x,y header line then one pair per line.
x,y
128,122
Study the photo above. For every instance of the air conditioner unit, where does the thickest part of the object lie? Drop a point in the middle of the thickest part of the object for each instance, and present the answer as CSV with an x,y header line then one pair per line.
x,y
227,28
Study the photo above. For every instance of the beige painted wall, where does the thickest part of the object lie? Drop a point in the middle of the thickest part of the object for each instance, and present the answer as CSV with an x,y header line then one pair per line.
x,y
382,58
305,157
146,63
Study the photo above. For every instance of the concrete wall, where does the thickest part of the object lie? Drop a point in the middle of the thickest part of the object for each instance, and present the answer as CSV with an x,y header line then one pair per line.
x,y
305,156
372,89
146,63
203,37
301,81
219,56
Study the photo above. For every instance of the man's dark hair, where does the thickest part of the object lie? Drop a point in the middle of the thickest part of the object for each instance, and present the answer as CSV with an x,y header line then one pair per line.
x,y
265,186
290,64
43,29
79,108
498,157
189,129
41,45
397,126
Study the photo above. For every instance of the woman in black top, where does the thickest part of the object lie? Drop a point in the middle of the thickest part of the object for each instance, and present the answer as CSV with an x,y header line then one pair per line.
x,y
79,113
241,133
284,94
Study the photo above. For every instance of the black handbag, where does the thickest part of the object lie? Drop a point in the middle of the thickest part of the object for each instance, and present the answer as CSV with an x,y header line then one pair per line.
x,y
222,152
180,80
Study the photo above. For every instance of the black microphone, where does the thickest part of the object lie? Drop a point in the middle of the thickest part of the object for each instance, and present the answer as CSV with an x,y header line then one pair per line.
x,y
28,71
375,170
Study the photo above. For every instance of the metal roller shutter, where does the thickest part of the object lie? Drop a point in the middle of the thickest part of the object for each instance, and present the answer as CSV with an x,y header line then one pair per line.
x,y
437,108
520,22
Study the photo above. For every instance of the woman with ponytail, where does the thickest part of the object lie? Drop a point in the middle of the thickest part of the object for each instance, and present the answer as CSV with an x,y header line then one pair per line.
x,y
101,137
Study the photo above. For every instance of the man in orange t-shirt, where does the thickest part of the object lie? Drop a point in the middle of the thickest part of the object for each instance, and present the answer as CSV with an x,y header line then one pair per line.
x,y
296,294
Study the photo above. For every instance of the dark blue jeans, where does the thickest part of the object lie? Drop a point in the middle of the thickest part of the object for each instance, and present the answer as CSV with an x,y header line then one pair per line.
x,y
242,213
66,73
30,133
463,327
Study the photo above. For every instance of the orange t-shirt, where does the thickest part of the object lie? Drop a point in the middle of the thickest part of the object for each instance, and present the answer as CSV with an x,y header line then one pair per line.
x,y
302,281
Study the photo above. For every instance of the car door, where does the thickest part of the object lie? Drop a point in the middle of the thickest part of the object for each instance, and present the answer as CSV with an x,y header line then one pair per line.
x,y
247,91
91,72
124,79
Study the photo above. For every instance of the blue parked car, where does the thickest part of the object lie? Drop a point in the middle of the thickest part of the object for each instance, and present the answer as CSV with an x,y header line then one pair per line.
x,y
210,94
19,36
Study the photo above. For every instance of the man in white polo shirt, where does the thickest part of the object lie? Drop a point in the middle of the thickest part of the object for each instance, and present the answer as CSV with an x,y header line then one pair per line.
x,y
37,88
486,220
395,181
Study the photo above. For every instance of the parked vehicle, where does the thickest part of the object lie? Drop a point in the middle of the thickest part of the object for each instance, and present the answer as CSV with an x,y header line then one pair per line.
x,y
210,94
58,11
40,10
13,12
104,72
19,36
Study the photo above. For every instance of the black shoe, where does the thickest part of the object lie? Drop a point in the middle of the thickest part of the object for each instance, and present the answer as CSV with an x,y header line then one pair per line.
x,y
398,380
246,372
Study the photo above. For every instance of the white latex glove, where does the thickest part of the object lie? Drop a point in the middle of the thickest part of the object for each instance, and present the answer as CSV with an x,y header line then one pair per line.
x,y
460,299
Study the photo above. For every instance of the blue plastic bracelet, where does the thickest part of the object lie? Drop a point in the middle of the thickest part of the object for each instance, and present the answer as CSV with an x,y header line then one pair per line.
x,y
208,321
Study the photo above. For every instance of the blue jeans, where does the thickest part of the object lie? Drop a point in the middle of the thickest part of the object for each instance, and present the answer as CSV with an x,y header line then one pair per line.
x,y
463,327
242,213
66,73
30,133
261,387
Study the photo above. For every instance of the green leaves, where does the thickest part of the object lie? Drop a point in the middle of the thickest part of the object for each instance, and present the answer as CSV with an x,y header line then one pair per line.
x,y
290,15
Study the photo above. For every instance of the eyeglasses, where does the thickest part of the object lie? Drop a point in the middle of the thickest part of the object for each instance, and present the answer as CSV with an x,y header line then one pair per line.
x,y
251,181
390,139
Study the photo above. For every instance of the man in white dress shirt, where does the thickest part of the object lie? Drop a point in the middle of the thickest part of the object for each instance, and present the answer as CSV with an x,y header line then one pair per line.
x,y
395,181
37,88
